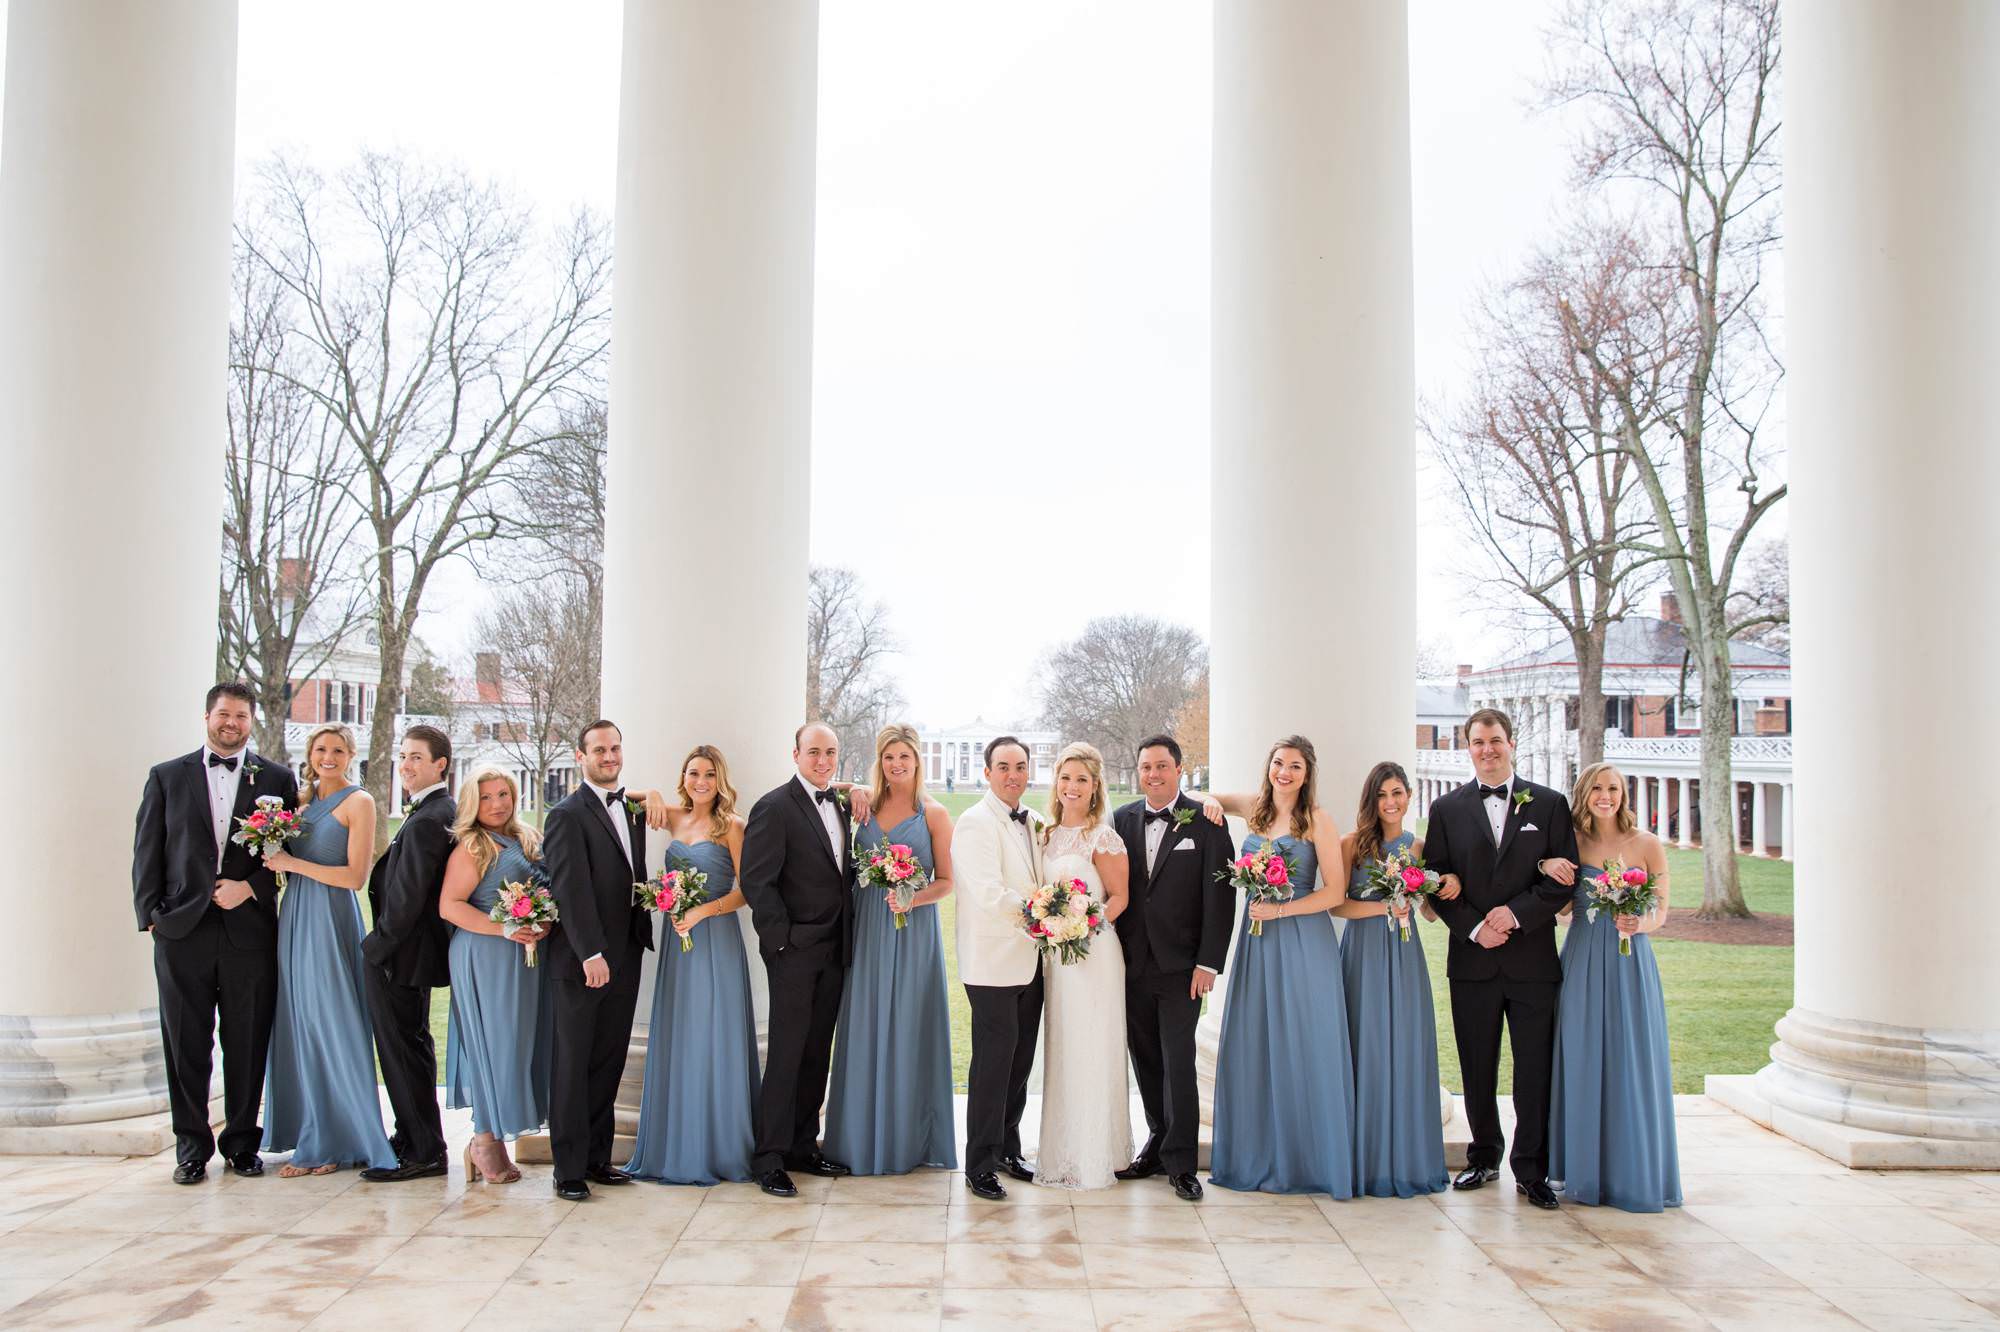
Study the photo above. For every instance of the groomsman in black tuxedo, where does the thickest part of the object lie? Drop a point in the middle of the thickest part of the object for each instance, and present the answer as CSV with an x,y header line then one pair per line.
x,y
212,909
408,953
1493,833
594,846
1175,933
798,876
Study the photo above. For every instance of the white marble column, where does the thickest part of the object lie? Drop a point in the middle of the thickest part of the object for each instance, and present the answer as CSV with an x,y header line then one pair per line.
x,y
1759,829
1686,831
1891,1055
1313,390
1785,822
711,398
1645,805
114,326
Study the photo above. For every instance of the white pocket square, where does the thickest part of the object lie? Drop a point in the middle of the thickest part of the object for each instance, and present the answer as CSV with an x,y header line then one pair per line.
x,y
1184,846
1529,827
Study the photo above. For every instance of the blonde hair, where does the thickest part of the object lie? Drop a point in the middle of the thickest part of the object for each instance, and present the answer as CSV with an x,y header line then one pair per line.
x,y
725,792
475,836
309,789
1093,763
1265,812
1579,802
896,733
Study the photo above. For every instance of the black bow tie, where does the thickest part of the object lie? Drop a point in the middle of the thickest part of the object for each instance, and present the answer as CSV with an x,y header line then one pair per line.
x,y
1488,792
1018,815
613,797
217,761
1161,814
826,797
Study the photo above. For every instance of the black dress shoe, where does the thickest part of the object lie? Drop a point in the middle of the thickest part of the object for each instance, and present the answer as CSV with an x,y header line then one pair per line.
x,y
190,1172
1540,1194
606,1174
1140,1169
572,1190
817,1164
247,1164
778,1184
986,1185
1473,1177
1018,1168
403,1170
1186,1187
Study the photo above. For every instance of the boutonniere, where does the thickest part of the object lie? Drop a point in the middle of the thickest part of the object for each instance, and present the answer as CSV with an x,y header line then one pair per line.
x,y
635,807
1182,818
1521,799
252,768
840,798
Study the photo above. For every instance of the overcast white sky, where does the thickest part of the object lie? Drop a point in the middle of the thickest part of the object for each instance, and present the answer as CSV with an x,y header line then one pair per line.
x,y
1012,260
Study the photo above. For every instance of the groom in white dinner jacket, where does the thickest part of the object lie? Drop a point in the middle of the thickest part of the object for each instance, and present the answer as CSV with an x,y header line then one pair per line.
x,y
996,852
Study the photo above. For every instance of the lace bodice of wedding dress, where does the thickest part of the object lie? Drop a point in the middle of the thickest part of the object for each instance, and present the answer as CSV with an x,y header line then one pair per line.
x,y
1086,1104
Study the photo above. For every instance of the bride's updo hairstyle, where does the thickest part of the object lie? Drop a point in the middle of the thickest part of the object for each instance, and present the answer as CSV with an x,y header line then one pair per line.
x,y
1265,812
1093,763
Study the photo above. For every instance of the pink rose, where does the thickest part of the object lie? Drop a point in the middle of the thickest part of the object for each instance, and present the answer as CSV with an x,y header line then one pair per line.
x,y
1275,873
1635,876
899,849
1413,878
1245,862
522,907
258,820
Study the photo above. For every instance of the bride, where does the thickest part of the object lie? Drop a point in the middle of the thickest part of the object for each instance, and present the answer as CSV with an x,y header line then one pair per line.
x,y
1086,1107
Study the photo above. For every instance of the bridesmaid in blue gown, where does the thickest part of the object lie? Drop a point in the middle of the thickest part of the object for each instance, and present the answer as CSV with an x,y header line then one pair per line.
x,y
889,1109
496,1049
1611,1125
1284,1077
319,1091
1398,1130
697,1112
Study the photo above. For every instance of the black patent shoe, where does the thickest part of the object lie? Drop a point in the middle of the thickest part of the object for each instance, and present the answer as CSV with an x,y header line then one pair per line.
x,y
403,1170
606,1174
572,1190
817,1164
1186,1187
190,1172
986,1185
1140,1169
778,1184
247,1164
1540,1194
1018,1168
1473,1177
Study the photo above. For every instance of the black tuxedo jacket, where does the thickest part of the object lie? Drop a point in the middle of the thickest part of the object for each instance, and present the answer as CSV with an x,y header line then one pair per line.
x,y
410,940
592,883
1180,916
1459,840
800,894
173,850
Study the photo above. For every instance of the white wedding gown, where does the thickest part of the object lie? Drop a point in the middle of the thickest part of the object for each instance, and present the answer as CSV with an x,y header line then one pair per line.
x,y
1086,1106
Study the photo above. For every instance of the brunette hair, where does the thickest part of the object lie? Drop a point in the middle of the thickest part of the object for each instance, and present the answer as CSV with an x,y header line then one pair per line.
x,y
1368,819
1266,809
434,740
1490,717
999,741
229,689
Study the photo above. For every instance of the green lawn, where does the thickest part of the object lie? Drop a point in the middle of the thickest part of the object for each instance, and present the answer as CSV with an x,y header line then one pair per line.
x,y
1722,999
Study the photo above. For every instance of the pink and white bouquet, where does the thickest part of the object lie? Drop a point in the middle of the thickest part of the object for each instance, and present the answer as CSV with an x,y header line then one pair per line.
x,y
1061,918
674,891
1264,875
1400,880
525,906
267,828
895,870
1622,890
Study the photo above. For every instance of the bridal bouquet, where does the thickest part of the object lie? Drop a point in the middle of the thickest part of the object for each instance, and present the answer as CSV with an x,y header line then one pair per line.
x,y
1264,875
525,906
895,870
1061,918
268,828
1400,880
675,890
1623,890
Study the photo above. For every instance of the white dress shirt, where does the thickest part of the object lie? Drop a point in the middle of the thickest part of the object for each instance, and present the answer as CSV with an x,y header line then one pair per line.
x,y
618,824
829,816
1496,819
418,797
223,785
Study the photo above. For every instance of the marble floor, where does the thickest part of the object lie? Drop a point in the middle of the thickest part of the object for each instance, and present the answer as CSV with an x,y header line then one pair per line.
x,y
1771,1236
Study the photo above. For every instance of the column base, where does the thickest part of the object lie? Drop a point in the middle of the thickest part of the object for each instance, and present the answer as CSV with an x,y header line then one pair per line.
x,y
85,1085
1873,1096
141,1135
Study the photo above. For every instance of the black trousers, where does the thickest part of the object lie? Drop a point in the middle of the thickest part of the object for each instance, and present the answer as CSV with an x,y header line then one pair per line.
x,y
1529,1010
1160,1020
1006,1020
593,1033
805,1004
199,976
401,1017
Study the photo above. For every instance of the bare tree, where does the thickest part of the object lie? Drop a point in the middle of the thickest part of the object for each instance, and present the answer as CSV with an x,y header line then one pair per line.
x,y
1679,100
545,643
1123,678
291,590
1762,605
848,642
445,332
1552,502
1190,727
559,491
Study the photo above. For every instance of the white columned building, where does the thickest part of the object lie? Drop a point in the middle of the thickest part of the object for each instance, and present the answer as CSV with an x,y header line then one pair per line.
x,y
1312,348
115,194
711,400
1891,1054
